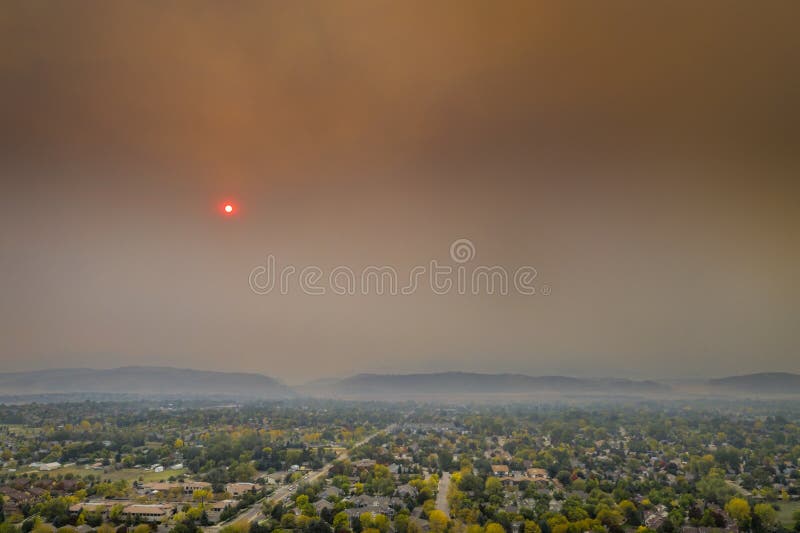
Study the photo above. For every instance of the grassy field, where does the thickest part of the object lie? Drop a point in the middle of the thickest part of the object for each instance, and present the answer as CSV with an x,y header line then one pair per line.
x,y
128,474
786,512
19,429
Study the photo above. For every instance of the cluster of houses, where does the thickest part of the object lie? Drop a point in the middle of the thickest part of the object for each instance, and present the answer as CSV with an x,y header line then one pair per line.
x,y
398,460
175,493
513,477
136,512
187,488
173,489
364,503
22,490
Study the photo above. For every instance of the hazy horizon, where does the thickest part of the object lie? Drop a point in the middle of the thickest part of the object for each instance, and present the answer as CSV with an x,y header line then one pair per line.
x,y
643,159
294,383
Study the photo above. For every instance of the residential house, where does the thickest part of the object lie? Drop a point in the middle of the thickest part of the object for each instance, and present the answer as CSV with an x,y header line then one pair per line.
x,y
190,486
148,513
537,474
101,507
240,489
500,470
331,492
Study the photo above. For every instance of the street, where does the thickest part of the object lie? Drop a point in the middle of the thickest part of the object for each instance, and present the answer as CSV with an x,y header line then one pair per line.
x,y
441,496
254,514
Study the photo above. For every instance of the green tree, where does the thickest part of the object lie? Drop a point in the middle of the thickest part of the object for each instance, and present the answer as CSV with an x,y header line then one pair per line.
x,y
493,490
201,496
714,488
494,527
767,517
401,522
610,518
381,523
365,520
341,522
739,510
532,527
106,528
115,514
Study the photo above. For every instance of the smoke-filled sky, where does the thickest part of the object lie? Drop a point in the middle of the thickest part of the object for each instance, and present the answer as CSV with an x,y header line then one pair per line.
x,y
642,157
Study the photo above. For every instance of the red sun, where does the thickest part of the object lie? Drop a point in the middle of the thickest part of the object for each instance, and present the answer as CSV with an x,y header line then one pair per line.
x,y
228,209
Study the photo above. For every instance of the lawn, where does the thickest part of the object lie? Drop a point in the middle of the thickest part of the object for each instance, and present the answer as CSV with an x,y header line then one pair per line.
x,y
130,474
21,430
786,512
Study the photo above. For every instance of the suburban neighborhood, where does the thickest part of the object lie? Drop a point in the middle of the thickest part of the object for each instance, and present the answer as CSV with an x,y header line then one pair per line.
x,y
411,469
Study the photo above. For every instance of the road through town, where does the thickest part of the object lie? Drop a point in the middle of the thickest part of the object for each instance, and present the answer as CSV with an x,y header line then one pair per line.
x,y
254,514
441,496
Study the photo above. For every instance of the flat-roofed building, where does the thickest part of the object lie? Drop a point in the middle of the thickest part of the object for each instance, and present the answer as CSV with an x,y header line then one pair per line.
x,y
190,486
148,513
239,489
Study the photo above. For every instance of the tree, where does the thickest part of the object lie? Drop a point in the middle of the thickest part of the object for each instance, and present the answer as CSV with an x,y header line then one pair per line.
x,y
739,510
494,527
610,518
714,488
106,528
401,522
115,513
317,526
242,472
201,495
365,519
676,518
288,521
237,527
494,490
532,527
341,522
630,512
438,521
304,505
381,523
766,517
94,519
413,527
185,527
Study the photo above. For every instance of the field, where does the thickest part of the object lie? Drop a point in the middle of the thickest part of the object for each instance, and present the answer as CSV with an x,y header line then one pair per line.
x,y
129,474
20,430
787,509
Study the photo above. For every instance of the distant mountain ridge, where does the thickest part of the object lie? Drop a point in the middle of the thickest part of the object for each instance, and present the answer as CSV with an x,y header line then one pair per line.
x,y
145,380
763,383
466,383
188,383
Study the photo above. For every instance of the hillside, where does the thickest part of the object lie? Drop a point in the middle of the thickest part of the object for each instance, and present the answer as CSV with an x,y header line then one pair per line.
x,y
144,380
763,383
464,383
